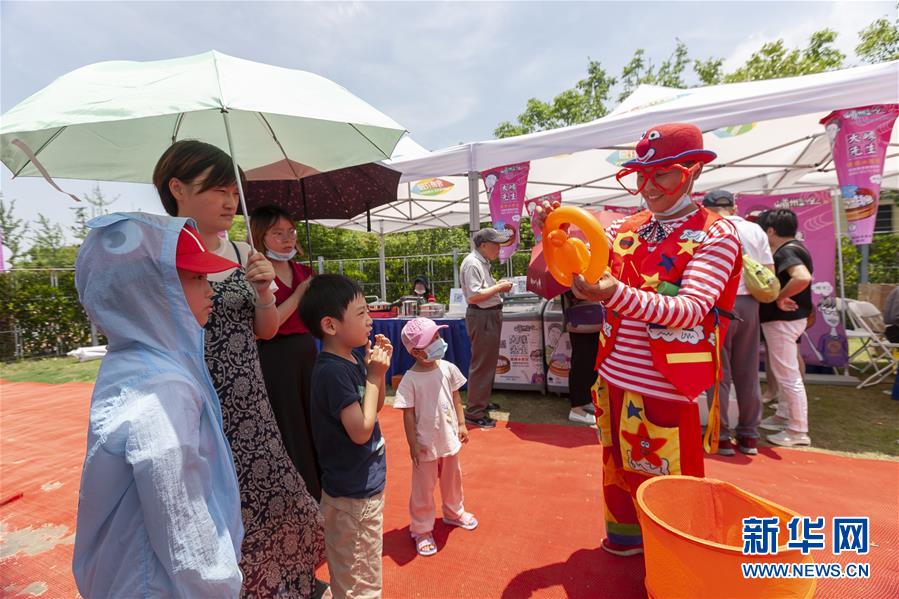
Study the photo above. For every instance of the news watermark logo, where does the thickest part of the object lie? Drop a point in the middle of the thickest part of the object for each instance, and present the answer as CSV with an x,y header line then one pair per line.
x,y
761,536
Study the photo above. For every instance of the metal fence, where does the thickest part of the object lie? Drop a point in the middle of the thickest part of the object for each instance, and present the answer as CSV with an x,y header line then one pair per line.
x,y
442,271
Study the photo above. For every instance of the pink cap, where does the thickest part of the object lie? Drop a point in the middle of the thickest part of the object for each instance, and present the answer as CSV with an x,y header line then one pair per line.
x,y
419,332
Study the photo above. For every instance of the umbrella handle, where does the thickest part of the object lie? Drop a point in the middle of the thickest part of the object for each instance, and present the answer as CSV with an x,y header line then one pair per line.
x,y
243,201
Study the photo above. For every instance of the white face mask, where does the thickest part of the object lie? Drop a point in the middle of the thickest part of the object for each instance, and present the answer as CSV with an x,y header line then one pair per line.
x,y
272,254
678,206
436,350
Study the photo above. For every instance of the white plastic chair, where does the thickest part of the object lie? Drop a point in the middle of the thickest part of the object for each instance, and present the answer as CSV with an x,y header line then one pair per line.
x,y
866,317
857,332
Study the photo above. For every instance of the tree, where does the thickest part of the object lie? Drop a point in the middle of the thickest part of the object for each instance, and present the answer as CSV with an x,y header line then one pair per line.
x,y
879,41
774,60
48,249
12,229
79,229
98,201
585,102
589,99
640,71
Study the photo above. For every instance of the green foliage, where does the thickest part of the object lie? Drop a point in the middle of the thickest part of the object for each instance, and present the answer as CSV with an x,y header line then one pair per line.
x,y
46,311
709,71
774,60
48,249
12,229
879,41
640,70
883,266
585,102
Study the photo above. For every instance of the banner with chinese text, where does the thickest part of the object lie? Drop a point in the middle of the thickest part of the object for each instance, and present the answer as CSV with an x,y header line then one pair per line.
x,y
506,186
859,138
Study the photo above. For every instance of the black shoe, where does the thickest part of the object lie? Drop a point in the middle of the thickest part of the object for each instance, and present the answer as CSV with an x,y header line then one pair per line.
x,y
493,407
482,422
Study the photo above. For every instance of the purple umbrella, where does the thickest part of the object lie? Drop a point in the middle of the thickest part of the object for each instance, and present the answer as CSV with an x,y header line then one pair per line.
x,y
308,195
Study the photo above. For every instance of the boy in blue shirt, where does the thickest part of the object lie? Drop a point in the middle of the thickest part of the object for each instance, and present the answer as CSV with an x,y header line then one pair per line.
x,y
159,505
347,394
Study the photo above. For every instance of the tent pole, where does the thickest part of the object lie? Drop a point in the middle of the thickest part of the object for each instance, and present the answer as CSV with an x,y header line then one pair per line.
x,y
836,223
382,265
863,270
474,212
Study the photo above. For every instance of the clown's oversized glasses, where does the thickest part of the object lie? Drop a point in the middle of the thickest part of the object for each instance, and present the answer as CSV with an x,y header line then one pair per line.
x,y
668,180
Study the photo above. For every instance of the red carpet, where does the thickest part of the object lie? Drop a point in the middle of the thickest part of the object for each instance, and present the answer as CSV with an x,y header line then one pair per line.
x,y
534,488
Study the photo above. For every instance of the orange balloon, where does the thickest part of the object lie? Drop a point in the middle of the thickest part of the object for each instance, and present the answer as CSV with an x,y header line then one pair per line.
x,y
567,256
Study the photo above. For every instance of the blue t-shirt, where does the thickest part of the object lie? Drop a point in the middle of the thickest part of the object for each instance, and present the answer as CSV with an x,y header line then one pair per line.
x,y
348,469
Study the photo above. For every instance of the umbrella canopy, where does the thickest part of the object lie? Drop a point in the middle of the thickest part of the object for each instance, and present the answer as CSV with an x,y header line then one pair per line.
x,y
341,194
112,121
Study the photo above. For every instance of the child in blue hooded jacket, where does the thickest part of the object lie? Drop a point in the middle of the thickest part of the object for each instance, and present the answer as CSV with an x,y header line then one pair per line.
x,y
159,505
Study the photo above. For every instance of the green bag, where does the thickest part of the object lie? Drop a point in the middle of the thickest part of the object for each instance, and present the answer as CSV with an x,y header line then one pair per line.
x,y
761,283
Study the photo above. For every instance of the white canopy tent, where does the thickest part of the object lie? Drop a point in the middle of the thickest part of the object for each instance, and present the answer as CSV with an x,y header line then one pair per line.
x,y
766,133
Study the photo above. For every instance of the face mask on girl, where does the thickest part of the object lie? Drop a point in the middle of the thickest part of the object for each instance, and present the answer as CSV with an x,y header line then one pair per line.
x,y
436,350
272,254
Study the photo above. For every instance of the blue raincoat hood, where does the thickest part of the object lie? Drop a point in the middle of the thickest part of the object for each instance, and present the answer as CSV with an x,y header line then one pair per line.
x,y
159,480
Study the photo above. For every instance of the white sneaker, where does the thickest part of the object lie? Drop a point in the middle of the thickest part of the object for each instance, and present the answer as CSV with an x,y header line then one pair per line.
x,y
788,438
581,418
773,423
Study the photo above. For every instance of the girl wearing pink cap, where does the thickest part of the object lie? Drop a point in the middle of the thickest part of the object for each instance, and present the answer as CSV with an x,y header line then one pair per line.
x,y
435,429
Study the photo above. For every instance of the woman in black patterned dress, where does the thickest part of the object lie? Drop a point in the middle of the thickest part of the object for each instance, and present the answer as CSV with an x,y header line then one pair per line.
x,y
284,539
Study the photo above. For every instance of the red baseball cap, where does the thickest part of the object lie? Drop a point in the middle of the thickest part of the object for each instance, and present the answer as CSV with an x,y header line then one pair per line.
x,y
664,145
192,255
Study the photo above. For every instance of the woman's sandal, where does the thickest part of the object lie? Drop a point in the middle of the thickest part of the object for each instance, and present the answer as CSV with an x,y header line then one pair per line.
x,y
425,545
467,521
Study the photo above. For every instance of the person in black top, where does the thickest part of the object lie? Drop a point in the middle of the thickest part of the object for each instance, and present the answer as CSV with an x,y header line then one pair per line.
x,y
347,394
783,321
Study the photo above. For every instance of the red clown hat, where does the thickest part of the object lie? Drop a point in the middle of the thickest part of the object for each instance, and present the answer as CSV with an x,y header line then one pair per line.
x,y
664,145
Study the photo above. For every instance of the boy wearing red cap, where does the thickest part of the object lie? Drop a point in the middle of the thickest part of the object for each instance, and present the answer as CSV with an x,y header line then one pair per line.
x,y
159,505
434,421
673,275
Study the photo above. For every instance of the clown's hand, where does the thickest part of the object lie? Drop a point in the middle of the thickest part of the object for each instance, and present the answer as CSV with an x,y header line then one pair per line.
x,y
602,291
541,211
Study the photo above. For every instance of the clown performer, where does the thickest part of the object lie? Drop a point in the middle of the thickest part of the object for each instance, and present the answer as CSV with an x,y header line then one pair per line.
x,y
673,276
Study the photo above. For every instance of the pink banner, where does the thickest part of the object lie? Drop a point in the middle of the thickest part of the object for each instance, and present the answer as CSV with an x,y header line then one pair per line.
x,y
824,342
506,187
531,204
859,138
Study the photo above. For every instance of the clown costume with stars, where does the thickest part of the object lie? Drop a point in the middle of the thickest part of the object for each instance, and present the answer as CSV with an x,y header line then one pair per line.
x,y
673,275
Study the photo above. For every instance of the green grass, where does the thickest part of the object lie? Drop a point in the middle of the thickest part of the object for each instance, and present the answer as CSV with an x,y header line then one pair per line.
x,y
50,370
843,419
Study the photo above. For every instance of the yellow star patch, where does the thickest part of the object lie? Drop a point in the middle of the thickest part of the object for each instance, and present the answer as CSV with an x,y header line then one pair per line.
x,y
687,247
626,243
650,282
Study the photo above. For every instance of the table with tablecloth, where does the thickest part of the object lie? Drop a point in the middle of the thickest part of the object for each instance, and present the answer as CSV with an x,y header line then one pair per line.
x,y
458,351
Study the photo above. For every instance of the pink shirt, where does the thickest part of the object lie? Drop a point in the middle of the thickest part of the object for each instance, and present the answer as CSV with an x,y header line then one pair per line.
x,y
431,394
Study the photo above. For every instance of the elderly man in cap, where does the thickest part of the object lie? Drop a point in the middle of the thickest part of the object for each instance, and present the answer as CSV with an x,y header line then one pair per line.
x,y
740,352
673,275
484,321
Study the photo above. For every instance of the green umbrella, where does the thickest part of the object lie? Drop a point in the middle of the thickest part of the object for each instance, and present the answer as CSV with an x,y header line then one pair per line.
x,y
111,121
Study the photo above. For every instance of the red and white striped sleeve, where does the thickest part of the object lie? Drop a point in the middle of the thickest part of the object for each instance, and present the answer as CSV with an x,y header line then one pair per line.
x,y
701,286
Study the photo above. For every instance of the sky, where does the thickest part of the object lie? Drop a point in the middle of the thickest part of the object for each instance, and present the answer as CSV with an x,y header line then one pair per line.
x,y
448,72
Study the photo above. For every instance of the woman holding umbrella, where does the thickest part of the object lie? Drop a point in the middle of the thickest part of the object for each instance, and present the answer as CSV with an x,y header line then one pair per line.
x,y
288,357
284,539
